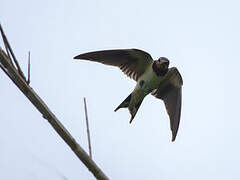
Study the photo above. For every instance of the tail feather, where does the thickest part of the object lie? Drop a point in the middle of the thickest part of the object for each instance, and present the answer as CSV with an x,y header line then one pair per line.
x,y
133,108
125,103
134,111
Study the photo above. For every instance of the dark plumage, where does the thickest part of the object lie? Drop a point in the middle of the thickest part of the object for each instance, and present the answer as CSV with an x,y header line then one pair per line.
x,y
152,77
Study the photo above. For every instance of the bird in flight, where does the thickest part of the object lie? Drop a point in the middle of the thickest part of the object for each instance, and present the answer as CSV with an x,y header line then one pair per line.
x,y
153,77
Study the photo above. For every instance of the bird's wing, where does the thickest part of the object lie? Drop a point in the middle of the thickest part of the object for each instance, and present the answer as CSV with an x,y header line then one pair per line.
x,y
133,62
170,91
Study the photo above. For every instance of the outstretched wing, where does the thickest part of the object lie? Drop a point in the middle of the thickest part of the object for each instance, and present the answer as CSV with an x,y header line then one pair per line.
x,y
170,91
133,62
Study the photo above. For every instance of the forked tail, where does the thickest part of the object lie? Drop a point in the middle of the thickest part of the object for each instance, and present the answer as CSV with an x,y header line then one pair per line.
x,y
133,108
125,103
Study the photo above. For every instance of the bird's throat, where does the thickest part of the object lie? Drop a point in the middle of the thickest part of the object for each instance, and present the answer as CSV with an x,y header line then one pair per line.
x,y
159,71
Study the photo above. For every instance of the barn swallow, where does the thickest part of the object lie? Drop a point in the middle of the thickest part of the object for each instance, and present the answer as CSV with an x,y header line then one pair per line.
x,y
153,77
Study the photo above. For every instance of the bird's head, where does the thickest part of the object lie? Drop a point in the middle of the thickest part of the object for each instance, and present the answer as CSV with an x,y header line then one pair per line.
x,y
160,66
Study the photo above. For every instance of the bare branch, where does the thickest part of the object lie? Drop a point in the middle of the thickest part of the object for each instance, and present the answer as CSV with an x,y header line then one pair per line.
x,y
5,43
28,80
88,132
20,82
8,47
4,70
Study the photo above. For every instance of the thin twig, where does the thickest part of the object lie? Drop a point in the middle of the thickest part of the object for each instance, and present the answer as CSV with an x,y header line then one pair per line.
x,y
5,43
11,52
18,80
88,132
28,80
6,47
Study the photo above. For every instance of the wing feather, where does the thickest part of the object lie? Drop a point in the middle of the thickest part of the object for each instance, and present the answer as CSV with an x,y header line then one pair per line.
x,y
170,91
133,62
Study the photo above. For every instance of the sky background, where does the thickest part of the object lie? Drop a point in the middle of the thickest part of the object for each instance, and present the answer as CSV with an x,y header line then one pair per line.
x,y
200,38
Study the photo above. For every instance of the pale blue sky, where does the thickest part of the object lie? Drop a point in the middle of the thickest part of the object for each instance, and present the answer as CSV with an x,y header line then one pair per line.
x,y
200,39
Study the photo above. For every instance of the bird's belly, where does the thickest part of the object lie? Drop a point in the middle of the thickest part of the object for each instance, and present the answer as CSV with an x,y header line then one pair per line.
x,y
148,83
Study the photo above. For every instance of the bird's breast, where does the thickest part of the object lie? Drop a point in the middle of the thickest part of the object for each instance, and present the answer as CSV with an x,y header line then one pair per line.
x,y
148,82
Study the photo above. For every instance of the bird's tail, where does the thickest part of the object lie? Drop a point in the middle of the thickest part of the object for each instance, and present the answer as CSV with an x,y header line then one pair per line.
x,y
132,109
125,103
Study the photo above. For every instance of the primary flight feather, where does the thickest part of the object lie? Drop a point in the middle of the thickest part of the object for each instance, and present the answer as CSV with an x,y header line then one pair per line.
x,y
153,77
